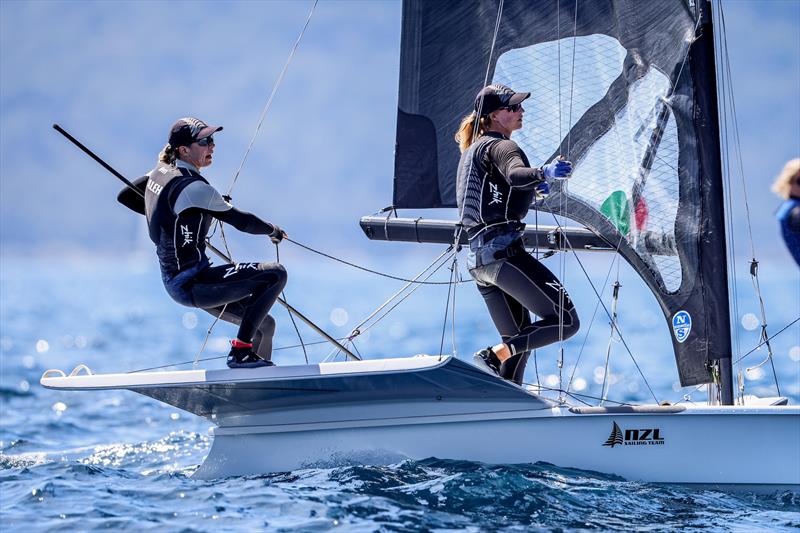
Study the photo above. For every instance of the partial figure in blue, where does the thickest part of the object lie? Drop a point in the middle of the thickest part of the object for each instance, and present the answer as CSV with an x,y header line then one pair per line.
x,y
496,186
787,186
180,206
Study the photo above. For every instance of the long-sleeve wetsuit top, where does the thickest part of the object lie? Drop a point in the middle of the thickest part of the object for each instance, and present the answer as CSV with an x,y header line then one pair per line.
x,y
495,183
180,205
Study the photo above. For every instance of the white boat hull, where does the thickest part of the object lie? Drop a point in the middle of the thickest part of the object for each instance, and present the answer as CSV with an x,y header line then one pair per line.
x,y
379,412
699,445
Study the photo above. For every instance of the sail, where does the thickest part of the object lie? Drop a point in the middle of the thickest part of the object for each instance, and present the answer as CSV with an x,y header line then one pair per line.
x,y
623,88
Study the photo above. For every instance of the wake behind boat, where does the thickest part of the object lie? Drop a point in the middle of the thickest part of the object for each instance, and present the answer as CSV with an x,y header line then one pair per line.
x,y
635,108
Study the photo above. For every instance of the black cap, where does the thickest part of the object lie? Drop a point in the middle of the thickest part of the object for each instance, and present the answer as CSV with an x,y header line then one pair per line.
x,y
495,97
189,130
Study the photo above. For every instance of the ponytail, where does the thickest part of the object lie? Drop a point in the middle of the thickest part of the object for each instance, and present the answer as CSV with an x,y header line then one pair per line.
x,y
467,131
168,155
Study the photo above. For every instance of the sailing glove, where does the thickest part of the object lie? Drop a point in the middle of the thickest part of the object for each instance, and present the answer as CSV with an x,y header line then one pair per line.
x,y
559,169
277,234
541,191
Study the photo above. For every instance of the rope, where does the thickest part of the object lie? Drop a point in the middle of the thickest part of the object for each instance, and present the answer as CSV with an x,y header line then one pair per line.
x,y
608,314
447,304
169,365
371,271
208,334
272,95
283,295
396,294
760,344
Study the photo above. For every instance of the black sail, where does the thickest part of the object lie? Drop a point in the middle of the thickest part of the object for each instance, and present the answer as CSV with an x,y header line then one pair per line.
x,y
623,88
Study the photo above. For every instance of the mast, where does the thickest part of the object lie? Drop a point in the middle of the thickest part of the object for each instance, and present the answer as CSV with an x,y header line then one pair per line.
x,y
714,267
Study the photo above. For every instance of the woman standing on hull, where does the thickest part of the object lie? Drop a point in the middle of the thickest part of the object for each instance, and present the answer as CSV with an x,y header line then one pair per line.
x,y
495,188
180,206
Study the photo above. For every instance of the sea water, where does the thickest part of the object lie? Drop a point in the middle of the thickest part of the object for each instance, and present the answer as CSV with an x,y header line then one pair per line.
x,y
118,460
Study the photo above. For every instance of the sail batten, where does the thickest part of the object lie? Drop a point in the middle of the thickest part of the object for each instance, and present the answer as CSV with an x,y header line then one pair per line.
x,y
627,88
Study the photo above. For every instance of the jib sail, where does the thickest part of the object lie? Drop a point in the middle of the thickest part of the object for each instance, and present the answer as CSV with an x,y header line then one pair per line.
x,y
623,88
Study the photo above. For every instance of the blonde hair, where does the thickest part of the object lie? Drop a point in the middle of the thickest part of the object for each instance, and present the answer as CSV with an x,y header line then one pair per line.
x,y
783,183
467,133
168,155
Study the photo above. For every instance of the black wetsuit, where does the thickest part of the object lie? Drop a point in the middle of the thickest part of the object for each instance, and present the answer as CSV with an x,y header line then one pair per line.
x,y
495,188
180,205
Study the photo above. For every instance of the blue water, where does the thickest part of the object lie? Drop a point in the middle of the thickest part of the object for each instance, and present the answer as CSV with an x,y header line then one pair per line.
x,y
117,460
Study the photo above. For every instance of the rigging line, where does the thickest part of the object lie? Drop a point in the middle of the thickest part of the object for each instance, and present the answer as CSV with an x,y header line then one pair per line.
x,y
409,293
608,314
283,295
764,333
760,344
576,395
558,71
272,95
572,80
737,140
365,269
222,357
615,260
396,294
334,353
447,307
739,159
208,334
455,286
358,331
488,69
728,199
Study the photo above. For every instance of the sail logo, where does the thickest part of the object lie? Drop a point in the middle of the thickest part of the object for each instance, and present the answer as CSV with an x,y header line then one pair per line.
x,y
681,325
633,437
497,196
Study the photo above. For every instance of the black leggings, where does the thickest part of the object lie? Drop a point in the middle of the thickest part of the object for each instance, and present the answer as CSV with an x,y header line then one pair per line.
x,y
249,290
513,288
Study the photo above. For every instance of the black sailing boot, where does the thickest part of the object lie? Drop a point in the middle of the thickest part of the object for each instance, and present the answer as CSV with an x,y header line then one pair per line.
x,y
487,360
242,356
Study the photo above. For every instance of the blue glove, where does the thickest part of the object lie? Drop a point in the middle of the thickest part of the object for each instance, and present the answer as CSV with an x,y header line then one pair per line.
x,y
541,191
559,169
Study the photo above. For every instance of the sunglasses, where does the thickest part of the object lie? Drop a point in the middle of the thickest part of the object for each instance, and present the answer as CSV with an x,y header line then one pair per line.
x,y
513,108
205,141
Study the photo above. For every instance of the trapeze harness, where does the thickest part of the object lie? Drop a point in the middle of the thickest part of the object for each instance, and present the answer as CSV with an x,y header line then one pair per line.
x,y
180,206
495,188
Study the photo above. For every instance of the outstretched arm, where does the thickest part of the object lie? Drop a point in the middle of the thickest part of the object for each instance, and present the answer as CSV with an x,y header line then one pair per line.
x,y
200,195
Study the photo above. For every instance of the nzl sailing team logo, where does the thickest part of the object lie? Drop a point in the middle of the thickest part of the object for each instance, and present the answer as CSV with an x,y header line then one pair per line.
x,y
634,437
681,325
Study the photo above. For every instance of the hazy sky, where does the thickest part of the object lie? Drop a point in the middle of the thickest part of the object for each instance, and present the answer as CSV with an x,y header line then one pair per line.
x,y
116,74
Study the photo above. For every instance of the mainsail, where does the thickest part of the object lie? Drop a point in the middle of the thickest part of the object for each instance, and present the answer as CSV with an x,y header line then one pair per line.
x,y
623,88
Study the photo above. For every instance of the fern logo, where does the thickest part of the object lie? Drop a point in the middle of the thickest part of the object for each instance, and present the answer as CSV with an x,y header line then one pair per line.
x,y
634,437
615,437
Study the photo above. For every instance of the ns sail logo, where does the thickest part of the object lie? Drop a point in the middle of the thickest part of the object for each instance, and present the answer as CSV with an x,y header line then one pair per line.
x,y
634,437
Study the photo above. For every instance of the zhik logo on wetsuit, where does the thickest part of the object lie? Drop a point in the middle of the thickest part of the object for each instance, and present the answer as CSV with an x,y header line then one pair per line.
x,y
497,196
681,325
187,235
634,437
236,268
